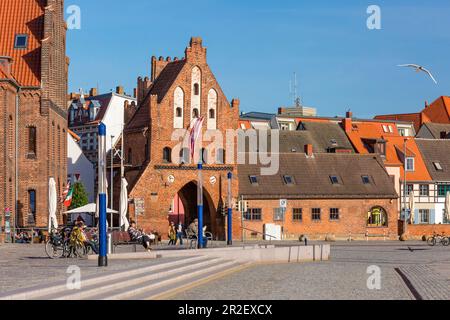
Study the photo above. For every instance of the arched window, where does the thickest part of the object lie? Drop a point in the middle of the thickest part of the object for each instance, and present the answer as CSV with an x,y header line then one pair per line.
x,y
377,217
196,89
32,143
195,114
184,155
32,206
203,156
178,106
220,156
167,155
212,110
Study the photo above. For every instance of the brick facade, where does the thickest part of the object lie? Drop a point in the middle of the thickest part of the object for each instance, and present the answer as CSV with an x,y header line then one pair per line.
x,y
352,220
41,107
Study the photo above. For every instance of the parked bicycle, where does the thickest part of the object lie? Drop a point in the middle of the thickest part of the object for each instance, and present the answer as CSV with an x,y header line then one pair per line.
x,y
438,239
68,244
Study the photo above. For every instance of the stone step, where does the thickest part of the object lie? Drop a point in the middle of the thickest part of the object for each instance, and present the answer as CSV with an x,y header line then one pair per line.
x,y
170,290
150,288
132,281
51,289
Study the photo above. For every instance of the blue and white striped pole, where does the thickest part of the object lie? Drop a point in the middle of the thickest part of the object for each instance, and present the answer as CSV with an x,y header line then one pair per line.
x,y
230,211
102,190
200,205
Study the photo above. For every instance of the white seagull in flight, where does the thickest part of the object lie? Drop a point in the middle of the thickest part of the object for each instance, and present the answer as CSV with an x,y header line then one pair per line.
x,y
419,69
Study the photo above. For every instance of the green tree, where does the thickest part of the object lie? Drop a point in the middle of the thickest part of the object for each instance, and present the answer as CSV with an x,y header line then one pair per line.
x,y
79,197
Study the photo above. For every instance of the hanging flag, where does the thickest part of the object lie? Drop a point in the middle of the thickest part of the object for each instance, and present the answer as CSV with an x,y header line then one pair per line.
x,y
68,199
195,132
66,191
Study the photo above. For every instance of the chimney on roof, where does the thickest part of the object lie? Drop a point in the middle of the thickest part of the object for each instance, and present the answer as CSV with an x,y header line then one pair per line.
x,y
426,104
135,92
309,151
348,121
235,103
120,90
93,92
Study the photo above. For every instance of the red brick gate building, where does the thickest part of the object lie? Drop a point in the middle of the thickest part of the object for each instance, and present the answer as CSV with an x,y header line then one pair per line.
x,y
178,92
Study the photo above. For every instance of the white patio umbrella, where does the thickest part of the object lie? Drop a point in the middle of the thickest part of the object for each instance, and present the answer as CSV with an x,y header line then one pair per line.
x,y
90,208
447,206
124,204
52,205
412,205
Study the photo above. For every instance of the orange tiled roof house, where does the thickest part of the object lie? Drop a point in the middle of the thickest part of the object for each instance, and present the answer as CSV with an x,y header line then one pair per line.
x,y
33,126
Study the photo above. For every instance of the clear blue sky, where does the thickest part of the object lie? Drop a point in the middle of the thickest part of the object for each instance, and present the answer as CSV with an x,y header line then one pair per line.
x,y
255,46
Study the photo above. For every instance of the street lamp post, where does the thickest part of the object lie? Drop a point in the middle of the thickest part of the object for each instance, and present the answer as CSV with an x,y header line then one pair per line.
x,y
405,186
102,190
112,180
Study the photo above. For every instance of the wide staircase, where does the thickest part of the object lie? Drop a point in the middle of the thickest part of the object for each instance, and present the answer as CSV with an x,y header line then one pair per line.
x,y
145,283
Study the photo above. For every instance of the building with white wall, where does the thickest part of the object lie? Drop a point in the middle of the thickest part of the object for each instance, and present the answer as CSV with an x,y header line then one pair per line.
x,y
79,168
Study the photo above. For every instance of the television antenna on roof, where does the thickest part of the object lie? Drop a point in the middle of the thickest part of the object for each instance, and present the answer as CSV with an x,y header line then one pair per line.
x,y
293,90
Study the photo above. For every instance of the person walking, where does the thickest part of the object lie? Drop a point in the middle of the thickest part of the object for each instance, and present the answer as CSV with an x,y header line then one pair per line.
x,y
180,233
172,234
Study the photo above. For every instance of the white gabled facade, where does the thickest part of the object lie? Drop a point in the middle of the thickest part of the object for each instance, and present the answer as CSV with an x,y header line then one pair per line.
x,y
79,168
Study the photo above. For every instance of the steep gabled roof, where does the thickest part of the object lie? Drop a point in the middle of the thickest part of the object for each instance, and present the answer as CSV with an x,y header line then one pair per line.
x,y
23,17
166,79
436,151
394,147
312,178
436,129
160,87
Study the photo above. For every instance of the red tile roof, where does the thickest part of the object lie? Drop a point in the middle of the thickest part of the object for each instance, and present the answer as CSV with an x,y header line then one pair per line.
x,y
394,147
160,87
23,17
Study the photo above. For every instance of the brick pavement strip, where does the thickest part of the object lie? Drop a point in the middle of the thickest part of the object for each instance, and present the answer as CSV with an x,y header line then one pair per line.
x,y
426,282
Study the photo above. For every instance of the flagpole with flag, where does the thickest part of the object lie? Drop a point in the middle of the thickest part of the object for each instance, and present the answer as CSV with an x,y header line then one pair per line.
x,y
195,133
67,195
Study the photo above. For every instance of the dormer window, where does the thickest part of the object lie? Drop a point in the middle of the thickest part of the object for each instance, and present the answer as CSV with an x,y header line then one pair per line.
x,y
253,180
21,41
365,179
288,180
410,167
334,180
438,166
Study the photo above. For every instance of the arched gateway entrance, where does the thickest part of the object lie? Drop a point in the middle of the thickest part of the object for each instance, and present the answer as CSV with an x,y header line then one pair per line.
x,y
184,210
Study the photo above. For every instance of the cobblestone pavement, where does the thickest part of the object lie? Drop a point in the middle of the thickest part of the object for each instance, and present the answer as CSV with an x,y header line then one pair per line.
x,y
28,265
344,277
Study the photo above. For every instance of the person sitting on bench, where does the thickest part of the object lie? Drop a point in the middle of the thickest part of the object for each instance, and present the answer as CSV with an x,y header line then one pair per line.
x,y
139,236
193,231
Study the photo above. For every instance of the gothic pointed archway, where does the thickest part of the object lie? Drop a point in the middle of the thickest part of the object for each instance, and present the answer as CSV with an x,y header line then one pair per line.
x,y
188,198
